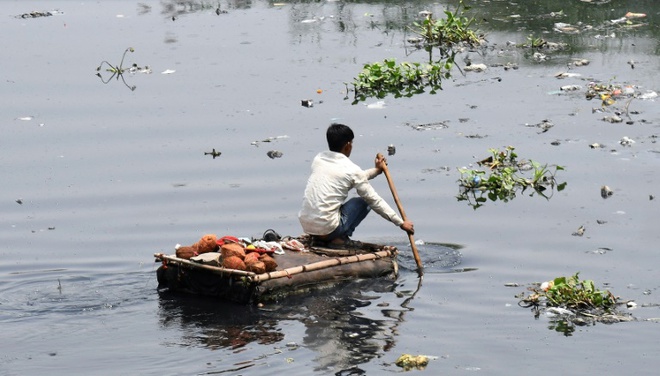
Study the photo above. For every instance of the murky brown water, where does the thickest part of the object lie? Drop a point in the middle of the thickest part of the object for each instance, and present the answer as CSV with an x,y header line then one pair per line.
x,y
106,176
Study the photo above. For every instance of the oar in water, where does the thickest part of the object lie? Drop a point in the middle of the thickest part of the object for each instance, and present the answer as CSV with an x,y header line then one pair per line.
x,y
420,270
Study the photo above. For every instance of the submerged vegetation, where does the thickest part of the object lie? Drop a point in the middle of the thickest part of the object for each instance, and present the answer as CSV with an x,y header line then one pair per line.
x,y
502,175
448,36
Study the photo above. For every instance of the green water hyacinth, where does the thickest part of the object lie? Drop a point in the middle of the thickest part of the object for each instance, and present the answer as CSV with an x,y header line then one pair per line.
x,y
447,36
378,80
501,176
574,293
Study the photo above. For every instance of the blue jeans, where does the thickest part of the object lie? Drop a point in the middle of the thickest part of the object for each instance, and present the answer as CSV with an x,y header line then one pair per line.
x,y
353,212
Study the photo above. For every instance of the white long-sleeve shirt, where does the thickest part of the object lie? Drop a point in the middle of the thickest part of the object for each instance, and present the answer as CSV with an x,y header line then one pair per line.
x,y
333,176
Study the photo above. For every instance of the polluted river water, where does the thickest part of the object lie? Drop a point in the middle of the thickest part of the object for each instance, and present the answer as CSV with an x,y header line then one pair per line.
x,y
209,134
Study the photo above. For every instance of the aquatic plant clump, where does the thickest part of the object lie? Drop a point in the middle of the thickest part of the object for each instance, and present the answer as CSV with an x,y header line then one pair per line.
x,y
570,301
502,175
446,34
402,80
117,71
406,79
574,293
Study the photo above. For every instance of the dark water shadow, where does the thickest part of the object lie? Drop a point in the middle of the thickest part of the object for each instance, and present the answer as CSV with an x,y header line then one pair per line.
x,y
436,257
358,320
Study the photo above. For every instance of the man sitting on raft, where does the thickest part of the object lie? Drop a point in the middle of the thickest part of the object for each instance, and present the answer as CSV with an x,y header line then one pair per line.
x,y
325,213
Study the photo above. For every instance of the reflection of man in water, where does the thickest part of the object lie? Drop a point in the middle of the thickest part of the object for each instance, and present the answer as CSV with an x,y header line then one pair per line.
x,y
338,336
347,329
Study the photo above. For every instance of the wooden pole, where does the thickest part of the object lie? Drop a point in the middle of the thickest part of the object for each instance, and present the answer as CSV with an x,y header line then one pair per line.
x,y
320,265
418,260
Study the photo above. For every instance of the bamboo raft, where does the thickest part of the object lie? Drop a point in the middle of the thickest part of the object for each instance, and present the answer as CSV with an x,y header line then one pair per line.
x,y
297,273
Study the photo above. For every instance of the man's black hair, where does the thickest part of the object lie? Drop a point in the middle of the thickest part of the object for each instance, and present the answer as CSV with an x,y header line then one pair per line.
x,y
338,135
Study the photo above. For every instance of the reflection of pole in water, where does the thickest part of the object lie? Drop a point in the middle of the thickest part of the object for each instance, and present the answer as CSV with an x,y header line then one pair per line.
x,y
402,313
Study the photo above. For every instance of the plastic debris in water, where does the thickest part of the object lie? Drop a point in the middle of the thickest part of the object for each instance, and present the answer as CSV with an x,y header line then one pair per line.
x,y
605,192
626,141
545,286
376,106
407,361
168,71
391,150
566,75
274,154
475,68
570,88
631,15
213,153
581,62
579,232
307,103
556,311
648,95
613,119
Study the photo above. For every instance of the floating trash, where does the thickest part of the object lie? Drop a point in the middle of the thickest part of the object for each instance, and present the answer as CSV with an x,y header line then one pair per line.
x,y
376,106
408,362
428,126
566,28
274,154
168,71
557,311
307,103
648,95
631,15
579,232
310,20
544,125
25,118
600,251
391,150
475,68
581,62
40,14
612,119
605,192
136,69
626,141
596,145
567,75
539,57
213,153
570,88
